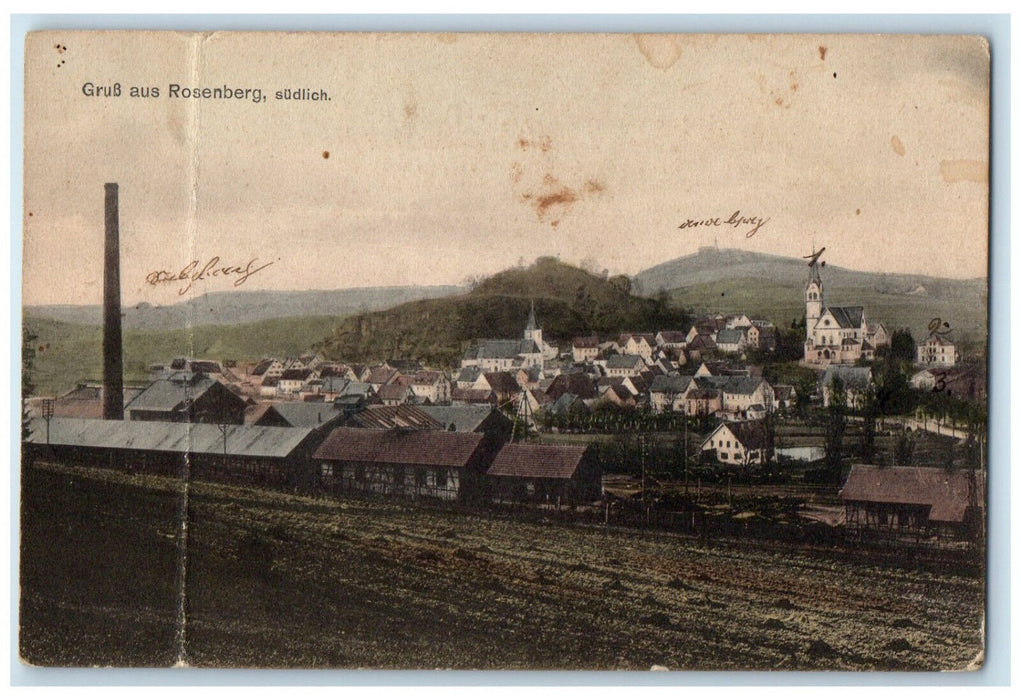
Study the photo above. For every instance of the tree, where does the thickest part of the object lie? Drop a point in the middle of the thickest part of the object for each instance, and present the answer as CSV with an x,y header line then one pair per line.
x,y
902,345
904,450
836,425
869,411
28,339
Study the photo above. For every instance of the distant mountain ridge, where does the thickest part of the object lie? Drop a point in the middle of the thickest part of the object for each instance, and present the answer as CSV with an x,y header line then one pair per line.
x,y
711,264
237,307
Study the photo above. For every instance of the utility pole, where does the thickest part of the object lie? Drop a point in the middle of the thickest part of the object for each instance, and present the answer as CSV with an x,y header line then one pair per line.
x,y
47,415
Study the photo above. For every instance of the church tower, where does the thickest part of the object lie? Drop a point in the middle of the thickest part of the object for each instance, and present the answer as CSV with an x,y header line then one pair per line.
x,y
532,330
813,297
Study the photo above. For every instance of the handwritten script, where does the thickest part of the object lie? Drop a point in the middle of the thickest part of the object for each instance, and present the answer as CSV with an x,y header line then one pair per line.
x,y
737,220
195,271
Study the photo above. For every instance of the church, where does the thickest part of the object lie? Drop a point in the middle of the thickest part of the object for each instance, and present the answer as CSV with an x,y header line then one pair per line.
x,y
503,355
836,335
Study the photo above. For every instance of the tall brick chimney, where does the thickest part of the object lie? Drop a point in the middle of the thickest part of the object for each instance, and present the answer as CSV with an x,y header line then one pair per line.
x,y
113,354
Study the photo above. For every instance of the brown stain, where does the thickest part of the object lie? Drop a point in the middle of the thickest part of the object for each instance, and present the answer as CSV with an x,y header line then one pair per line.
x,y
964,171
897,146
661,50
554,224
447,38
543,144
410,111
30,213
326,155
516,171
593,187
822,53
857,212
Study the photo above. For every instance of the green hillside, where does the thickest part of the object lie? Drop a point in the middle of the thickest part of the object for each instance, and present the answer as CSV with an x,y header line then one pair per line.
x,y
68,352
772,287
568,302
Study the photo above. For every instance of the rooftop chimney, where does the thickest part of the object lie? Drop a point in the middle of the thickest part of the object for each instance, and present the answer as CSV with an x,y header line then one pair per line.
x,y
113,359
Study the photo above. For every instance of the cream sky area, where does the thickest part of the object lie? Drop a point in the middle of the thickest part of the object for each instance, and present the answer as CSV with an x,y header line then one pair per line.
x,y
457,155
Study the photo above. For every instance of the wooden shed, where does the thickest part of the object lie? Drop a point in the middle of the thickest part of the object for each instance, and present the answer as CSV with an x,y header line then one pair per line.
x,y
246,454
914,499
561,474
449,466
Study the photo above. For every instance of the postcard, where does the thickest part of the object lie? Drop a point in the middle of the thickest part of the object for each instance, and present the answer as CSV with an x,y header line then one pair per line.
x,y
504,351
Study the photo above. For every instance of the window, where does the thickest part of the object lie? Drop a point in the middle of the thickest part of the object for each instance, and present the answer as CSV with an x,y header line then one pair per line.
x,y
326,470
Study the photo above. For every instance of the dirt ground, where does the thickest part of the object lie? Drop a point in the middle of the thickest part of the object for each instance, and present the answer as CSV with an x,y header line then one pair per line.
x,y
286,581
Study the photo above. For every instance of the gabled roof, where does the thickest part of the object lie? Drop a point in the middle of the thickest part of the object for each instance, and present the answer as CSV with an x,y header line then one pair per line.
x,y
469,374
433,448
172,393
702,342
301,414
666,384
163,436
649,338
624,361
673,336
502,382
537,461
295,375
394,392
729,336
389,417
750,433
465,419
587,341
949,493
847,316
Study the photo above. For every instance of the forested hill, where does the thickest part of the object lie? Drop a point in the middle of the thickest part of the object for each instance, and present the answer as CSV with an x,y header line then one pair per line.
x,y
568,302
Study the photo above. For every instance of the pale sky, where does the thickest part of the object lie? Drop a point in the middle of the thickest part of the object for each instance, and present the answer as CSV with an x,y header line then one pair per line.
x,y
458,155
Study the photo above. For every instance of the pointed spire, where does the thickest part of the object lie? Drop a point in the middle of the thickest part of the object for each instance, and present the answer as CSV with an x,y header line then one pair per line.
x,y
531,318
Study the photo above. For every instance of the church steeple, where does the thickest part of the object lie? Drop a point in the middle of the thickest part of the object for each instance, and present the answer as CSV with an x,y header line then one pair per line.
x,y
814,303
532,330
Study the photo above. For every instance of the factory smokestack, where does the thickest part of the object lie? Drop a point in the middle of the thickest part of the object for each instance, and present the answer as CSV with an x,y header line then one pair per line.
x,y
113,356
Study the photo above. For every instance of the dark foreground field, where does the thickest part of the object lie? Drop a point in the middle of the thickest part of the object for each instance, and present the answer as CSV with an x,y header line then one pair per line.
x,y
275,580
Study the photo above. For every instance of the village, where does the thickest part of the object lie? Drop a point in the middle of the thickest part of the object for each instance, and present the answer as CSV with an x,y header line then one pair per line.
x,y
597,424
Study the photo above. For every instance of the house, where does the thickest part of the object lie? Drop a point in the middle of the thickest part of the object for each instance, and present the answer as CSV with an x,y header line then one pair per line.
x,y
268,367
920,499
937,350
294,380
700,345
740,394
731,340
270,387
961,382
624,365
437,464
585,348
187,397
667,393
641,344
740,443
467,377
578,384
702,401
246,454
503,385
856,381
671,340
785,396
736,321
877,334
431,386
554,474
380,375
396,393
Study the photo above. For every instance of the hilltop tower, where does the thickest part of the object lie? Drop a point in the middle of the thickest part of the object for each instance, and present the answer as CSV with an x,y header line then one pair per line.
x,y
532,330
814,303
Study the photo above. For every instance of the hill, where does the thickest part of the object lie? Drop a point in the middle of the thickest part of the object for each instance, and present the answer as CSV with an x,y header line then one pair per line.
x,y
568,302
67,353
234,307
771,286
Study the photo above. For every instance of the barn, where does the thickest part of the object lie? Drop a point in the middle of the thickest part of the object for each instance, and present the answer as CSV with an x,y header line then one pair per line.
x,y
252,455
561,474
449,466
914,499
